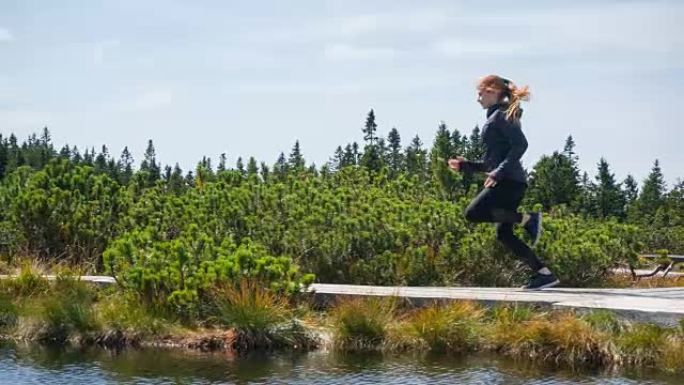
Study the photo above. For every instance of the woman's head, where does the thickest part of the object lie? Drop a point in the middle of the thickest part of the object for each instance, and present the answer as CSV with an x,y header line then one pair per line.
x,y
493,89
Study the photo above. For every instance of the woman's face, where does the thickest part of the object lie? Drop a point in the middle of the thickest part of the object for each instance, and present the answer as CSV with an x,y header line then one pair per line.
x,y
488,97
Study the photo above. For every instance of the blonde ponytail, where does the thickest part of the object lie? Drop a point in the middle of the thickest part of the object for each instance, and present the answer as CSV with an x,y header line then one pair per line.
x,y
515,96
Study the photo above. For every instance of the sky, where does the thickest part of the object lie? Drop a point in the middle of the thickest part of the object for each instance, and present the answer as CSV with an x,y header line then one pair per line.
x,y
249,78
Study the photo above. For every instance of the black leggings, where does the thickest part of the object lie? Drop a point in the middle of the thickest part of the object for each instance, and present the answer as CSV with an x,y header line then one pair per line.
x,y
499,204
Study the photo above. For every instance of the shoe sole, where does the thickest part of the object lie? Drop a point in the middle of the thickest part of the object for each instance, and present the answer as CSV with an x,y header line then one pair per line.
x,y
548,285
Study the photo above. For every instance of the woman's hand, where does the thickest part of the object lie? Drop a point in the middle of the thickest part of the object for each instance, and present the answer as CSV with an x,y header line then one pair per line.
x,y
491,179
455,164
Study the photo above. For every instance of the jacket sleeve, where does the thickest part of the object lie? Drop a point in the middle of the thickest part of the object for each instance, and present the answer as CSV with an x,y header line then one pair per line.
x,y
517,142
473,166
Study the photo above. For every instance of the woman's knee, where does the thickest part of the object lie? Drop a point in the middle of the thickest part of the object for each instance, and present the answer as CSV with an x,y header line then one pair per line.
x,y
472,214
504,232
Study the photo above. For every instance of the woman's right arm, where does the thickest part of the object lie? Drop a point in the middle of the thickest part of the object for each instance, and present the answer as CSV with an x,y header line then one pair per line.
x,y
472,166
463,165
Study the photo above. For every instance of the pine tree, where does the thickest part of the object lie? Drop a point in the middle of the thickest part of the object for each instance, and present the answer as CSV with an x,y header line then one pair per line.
x,y
46,149
395,156
222,163
607,193
150,166
383,151
356,157
586,202
252,167
3,158
65,152
189,179
459,143
572,185
548,181
671,213
569,149
372,156
45,137
89,156
265,172
204,172
442,150
167,174
280,168
101,160
76,156
555,180
325,170
125,165
652,193
349,157
475,149
206,162
296,160
442,147
240,165
416,158
631,189
338,159
370,128
313,170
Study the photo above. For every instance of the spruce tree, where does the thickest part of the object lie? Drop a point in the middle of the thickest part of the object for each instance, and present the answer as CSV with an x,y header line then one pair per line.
x,y
372,157
296,159
125,166
652,193
607,193
395,156
252,167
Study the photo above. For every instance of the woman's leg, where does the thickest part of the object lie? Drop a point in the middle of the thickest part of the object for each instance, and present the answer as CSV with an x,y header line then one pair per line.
x,y
500,204
542,278
505,235
490,206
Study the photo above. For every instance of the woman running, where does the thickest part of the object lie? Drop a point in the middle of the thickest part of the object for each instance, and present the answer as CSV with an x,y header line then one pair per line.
x,y
504,144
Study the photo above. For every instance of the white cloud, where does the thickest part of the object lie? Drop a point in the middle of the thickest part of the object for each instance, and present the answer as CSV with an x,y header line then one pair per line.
x,y
5,35
351,28
408,20
457,46
584,31
354,52
100,50
599,29
149,100
358,25
372,84
23,119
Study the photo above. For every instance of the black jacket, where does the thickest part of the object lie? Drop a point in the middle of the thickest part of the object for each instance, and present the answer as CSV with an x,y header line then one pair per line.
x,y
504,144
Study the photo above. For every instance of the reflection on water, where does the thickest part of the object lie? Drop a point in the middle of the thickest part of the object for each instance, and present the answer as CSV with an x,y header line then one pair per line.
x,y
30,364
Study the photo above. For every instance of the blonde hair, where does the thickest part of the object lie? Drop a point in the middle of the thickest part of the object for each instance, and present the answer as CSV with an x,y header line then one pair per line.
x,y
508,90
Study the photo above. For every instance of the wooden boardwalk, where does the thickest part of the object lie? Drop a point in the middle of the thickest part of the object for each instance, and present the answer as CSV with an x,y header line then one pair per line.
x,y
662,305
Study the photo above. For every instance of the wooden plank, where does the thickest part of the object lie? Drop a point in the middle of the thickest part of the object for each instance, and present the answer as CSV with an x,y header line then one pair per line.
x,y
663,306
659,305
98,279
676,258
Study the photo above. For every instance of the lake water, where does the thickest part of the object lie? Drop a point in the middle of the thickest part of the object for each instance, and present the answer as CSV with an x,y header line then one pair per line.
x,y
30,364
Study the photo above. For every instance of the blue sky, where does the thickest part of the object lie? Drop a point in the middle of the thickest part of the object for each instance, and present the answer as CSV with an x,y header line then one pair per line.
x,y
250,78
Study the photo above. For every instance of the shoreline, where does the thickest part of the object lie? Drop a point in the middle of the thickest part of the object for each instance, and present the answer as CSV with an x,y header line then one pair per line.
x,y
564,340
71,312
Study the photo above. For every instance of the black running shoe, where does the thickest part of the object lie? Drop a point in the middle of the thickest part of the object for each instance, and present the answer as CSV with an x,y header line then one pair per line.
x,y
541,281
533,227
